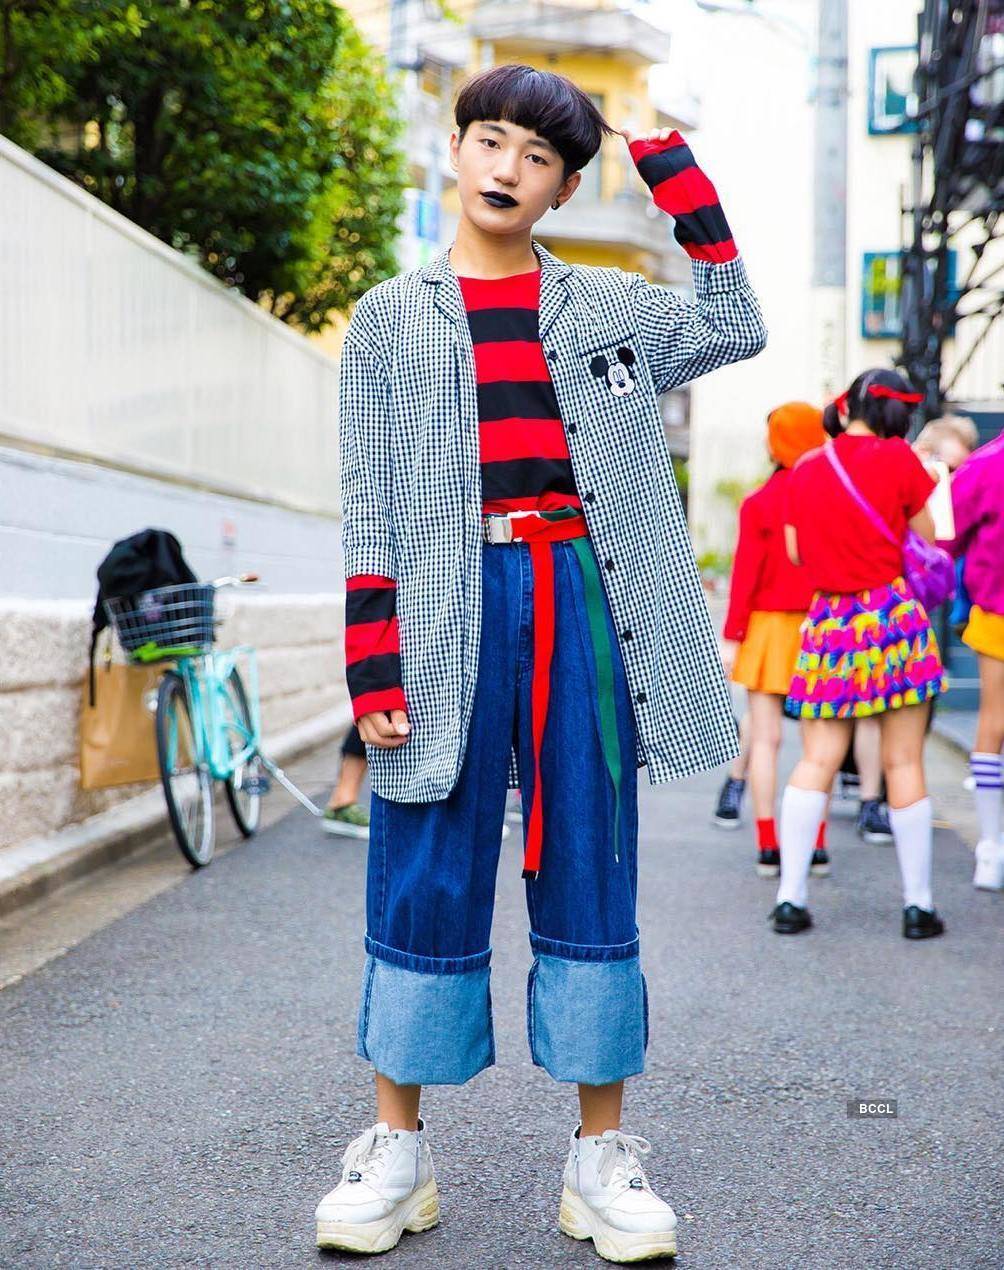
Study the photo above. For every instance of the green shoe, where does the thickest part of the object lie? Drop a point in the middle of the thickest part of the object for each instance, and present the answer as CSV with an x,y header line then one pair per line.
x,y
351,821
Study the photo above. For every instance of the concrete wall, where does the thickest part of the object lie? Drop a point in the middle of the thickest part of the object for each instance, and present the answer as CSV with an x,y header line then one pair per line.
x,y
115,347
43,658
58,518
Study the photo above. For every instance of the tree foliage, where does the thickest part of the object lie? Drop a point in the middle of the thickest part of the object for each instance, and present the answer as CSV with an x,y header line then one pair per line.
x,y
258,135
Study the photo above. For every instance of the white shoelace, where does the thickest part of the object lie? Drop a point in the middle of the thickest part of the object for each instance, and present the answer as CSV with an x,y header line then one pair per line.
x,y
364,1155
632,1148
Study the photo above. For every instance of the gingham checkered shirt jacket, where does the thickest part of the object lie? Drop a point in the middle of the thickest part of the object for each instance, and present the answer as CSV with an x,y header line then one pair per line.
x,y
411,496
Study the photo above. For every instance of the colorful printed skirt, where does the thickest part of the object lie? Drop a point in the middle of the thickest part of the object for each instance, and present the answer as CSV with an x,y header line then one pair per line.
x,y
864,654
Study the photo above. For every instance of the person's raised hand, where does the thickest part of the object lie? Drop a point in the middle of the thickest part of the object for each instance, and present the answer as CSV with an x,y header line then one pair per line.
x,y
656,134
387,733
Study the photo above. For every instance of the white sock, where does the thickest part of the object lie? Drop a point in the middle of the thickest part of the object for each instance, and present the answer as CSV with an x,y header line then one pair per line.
x,y
912,831
986,769
801,812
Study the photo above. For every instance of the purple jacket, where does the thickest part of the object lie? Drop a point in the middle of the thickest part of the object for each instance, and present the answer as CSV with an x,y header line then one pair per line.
x,y
978,504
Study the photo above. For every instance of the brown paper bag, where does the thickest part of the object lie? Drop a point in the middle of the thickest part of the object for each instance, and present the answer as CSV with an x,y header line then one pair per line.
x,y
118,744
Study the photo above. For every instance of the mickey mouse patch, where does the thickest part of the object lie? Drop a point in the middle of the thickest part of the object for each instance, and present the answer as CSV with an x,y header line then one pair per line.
x,y
616,374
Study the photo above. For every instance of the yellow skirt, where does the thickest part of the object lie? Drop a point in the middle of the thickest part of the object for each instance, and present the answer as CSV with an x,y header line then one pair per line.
x,y
984,632
766,658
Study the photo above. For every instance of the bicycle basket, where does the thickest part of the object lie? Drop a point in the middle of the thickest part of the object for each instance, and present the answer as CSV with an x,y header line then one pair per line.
x,y
170,621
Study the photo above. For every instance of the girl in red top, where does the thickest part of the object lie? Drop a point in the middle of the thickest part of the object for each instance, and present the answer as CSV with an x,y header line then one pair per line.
x,y
767,603
867,643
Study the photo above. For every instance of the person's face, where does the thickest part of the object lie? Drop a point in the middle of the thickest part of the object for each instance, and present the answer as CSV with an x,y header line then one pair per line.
x,y
500,157
953,452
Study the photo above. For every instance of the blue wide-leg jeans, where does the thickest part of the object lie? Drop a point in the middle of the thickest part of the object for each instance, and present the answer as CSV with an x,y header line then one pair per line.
x,y
425,1016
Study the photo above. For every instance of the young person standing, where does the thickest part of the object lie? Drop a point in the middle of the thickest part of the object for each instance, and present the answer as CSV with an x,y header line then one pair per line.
x,y
768,599
523,610
978,506
868,649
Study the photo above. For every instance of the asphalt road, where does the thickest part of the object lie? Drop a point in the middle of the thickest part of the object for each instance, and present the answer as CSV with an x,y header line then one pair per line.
x,y
178,1087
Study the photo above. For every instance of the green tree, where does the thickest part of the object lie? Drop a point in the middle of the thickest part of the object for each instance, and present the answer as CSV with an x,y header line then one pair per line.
x,y
258,135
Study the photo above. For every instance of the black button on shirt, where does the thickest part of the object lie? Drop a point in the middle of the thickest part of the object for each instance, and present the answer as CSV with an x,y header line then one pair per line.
x,y
572,427
589,496
610,564
627,635
641,698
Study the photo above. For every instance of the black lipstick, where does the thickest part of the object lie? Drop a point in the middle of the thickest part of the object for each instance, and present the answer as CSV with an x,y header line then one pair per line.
x,y
497,199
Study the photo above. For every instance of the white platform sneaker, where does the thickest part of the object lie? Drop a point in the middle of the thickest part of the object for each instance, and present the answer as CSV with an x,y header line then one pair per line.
x,y
989,874
607,1199
388,1186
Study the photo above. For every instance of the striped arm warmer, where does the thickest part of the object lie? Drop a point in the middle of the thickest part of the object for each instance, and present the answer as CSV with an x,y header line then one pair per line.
x,y
680,188
372,648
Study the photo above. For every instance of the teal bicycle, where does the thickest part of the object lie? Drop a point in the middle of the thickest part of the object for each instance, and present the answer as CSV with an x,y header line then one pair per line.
x,y
208,723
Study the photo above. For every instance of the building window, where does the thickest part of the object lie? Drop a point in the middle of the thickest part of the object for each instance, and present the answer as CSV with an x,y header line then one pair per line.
x,y
891,99
881,292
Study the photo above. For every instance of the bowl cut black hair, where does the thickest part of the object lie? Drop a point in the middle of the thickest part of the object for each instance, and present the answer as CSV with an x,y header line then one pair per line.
x,y
542,101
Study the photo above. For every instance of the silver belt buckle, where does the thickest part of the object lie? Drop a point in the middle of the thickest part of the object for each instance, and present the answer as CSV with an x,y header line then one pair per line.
x,y
499,527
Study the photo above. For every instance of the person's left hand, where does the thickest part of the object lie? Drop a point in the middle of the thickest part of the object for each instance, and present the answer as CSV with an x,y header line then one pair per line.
x,y
657,134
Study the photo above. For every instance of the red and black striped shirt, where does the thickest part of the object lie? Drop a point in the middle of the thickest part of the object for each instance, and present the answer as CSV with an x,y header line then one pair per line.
x,y
525,464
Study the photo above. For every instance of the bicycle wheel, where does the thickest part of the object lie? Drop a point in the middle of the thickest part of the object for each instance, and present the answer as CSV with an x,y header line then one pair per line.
x,y
188,789
243,786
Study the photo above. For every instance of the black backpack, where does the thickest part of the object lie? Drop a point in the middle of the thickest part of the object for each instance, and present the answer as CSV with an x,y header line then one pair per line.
x,y
151,558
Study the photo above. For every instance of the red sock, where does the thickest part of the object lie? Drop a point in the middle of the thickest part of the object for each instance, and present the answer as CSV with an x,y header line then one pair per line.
x,y
821,837
766,834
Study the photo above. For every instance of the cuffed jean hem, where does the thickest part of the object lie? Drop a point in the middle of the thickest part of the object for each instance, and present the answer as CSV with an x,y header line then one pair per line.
x,y
587,1019
425,1027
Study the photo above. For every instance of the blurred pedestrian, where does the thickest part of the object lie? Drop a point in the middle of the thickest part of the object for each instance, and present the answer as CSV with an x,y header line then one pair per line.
x,y
978,507
949,440
868,648
729,807
768,600
344,814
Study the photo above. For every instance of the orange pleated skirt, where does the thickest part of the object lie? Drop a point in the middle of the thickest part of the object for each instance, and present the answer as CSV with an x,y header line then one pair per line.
x,y
766,658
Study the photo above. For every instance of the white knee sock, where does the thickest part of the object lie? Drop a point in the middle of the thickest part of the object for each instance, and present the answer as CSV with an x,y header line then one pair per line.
x,y
912,831
801,813
986,769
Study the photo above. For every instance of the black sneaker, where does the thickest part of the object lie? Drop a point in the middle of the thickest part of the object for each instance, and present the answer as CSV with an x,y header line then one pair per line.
x,y
768,864
820,866
873,822
918,923
730,803
789,919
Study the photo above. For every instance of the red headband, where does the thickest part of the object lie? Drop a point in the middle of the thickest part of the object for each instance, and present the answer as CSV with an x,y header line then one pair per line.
x,y
880,390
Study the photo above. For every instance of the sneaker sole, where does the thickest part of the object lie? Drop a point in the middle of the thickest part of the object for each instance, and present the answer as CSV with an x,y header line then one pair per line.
x,y
988,879
768,870
722,823
341,830
877,839
820,870
578,1220
420,1211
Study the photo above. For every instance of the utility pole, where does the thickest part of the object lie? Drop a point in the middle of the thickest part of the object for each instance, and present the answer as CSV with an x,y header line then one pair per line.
x,y
829,251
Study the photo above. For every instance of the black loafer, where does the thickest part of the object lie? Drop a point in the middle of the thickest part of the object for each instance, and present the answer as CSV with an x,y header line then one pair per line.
x,y
789,919
918,923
